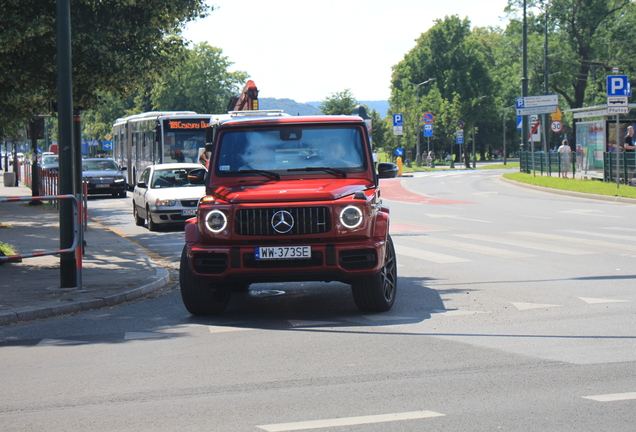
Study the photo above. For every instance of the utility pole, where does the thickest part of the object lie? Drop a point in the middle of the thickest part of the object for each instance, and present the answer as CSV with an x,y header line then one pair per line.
x,y
524,77
68,263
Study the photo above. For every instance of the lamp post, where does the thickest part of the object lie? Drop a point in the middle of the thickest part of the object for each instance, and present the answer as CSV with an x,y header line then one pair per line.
x,y
418,156
474,154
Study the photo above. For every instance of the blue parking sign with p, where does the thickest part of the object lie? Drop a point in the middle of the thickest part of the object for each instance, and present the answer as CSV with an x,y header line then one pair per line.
x,y
617,85
397,119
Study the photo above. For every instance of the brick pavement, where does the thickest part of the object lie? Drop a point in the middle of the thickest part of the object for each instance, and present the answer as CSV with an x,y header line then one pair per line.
x,y
114,269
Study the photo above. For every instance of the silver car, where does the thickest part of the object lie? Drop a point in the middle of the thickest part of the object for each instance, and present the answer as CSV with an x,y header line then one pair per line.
x,y
164,196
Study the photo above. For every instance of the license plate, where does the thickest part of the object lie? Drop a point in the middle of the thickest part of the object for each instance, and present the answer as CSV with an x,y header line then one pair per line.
x,y
282,252
102,185
189,212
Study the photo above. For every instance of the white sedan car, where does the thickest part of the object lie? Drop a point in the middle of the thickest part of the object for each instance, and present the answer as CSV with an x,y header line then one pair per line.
x,y
164,196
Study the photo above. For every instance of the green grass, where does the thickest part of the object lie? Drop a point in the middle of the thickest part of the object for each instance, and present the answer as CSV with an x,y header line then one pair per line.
x,y
584,186
6,249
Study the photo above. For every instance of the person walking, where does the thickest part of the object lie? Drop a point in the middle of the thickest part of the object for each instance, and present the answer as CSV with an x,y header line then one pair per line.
x,y
564,155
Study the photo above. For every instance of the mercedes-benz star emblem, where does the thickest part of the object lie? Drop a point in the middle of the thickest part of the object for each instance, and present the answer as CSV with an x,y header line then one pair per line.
x,y
282,221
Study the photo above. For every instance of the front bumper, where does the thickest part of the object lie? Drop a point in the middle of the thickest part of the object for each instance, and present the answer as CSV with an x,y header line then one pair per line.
x,y
329,262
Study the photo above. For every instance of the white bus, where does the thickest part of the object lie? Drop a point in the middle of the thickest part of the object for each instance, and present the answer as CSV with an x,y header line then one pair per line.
x,y
158,137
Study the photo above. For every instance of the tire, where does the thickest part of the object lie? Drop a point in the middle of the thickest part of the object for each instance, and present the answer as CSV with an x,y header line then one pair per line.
x,y
200,297
139,221
377,293
151,225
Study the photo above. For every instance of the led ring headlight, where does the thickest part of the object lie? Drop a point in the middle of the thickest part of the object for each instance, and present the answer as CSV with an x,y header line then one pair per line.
x,y
351,217
216,221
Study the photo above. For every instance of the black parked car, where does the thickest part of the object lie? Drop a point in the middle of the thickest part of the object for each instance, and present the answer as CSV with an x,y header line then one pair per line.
x,y
387,170
104,176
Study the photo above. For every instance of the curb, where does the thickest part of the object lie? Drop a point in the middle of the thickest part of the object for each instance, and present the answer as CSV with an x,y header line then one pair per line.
x,y
29,314
570,193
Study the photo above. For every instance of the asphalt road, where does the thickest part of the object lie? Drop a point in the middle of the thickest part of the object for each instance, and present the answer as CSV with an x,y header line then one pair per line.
x,y
515,311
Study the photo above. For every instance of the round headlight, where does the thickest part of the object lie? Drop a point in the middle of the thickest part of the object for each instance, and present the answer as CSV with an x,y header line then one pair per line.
x,y
351,217
216,221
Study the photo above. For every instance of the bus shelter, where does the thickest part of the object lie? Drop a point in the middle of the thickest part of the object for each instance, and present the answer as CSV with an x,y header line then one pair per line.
x,y
595,136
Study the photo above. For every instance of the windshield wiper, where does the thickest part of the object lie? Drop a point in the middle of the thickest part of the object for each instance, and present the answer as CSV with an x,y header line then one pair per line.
x,y
265,173
341,173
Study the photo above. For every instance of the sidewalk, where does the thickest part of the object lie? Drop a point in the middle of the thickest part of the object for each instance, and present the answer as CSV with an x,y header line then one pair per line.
x,y
115,270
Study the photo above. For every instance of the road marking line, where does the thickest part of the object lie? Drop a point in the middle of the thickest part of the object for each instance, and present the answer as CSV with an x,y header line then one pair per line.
x,y
526,306
565,239
604,235
424,255
469,247
599,301
527,244
612,397
349,421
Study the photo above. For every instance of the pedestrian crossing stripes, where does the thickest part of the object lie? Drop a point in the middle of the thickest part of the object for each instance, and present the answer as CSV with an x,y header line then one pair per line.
x,y
516,245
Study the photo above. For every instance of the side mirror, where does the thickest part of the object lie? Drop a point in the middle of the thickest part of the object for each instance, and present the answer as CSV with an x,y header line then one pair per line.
x,y
123,168
197,176
142,185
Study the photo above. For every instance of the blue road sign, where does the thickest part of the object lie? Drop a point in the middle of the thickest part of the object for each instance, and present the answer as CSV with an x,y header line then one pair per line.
x,y
399,152
428,130
617,85
397,119
519,122
428,118
107,145
459,137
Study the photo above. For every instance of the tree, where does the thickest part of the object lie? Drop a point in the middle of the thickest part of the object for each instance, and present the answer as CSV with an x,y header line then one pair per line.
x,y
199,81
452,54
592,36
116,47
341,103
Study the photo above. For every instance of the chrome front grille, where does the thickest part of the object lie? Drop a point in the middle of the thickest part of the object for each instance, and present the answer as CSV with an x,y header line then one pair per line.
x,y
258,222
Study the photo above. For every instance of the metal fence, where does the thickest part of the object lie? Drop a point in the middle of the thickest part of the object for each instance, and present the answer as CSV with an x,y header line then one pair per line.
x,y
547,163
625,166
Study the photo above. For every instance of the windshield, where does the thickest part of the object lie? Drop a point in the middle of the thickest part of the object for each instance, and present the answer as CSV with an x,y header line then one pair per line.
x,y
99,165
49,160
287,150
171,178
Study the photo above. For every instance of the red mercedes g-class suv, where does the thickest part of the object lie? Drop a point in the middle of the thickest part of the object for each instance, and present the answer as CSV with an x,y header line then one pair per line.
x,y
288,199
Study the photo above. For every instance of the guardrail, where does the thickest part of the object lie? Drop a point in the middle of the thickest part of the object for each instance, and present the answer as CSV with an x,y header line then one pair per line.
x,y
77,234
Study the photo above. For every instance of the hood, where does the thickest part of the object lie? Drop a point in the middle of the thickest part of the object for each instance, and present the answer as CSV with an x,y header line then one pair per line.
x,y
186,192
277,191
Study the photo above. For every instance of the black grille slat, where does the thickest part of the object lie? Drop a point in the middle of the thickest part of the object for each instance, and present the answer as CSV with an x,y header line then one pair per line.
x,y
307,220
189,203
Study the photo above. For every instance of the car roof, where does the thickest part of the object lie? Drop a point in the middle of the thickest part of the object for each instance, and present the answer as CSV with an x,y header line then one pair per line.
x,y
175,166
294,120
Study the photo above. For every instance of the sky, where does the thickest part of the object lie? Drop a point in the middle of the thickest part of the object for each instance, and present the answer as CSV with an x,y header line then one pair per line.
x,y
307,51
